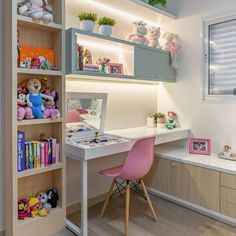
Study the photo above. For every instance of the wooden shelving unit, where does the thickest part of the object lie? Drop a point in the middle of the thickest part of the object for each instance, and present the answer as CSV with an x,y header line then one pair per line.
x,y
20,185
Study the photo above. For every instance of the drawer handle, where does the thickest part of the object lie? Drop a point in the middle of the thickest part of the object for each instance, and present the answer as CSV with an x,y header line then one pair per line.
x,y
173,164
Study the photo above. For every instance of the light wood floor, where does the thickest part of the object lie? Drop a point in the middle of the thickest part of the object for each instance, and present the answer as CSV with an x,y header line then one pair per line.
x,y
173,220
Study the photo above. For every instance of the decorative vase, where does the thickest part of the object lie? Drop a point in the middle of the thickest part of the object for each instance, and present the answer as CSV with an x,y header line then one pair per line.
x,y
103,69
87,25
105,30
161,123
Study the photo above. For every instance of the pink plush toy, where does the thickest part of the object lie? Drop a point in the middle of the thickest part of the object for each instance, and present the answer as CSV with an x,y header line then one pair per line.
x,y
50,107
140,31
23,112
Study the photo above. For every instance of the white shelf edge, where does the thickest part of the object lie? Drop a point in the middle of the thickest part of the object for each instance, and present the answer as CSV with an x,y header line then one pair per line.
x,y
39,72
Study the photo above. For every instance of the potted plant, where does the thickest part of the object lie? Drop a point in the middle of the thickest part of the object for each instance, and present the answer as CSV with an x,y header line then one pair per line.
x,y
105,25
87,20
160,119
158,3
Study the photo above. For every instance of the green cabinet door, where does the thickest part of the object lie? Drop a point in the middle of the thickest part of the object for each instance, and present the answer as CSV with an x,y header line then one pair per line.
x,y
153,64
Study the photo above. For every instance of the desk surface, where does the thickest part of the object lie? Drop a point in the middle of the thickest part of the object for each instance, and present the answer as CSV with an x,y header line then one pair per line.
x,y
182,155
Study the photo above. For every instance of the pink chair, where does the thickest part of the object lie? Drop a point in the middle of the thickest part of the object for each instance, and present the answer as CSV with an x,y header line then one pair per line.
x,y
73,116
137,165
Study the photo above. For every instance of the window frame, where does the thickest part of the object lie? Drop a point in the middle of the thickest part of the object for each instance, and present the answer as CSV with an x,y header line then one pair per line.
x,y
206,50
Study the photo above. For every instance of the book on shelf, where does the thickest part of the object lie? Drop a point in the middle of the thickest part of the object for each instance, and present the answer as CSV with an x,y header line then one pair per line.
x,y
37,154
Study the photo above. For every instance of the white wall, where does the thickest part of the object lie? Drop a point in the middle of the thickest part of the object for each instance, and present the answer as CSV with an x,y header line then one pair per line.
x,y
128,106
2,169
211,120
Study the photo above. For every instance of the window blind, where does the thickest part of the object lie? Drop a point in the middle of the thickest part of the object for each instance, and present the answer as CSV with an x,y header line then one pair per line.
x,y
222,58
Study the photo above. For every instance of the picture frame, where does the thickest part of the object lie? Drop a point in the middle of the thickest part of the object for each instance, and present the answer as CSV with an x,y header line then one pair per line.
x,y
200,146
115,68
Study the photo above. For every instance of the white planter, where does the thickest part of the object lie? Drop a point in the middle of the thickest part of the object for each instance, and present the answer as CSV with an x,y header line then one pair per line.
x,y
105,30
87,25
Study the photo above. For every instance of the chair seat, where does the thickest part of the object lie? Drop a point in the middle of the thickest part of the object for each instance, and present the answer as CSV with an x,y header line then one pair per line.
x,y
112,172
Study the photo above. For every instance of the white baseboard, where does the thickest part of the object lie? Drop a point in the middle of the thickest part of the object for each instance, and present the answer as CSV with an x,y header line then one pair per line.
x,y
194,207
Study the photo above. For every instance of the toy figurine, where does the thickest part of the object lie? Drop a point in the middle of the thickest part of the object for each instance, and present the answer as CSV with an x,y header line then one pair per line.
x,y
171,120
139,33
153,37
35,63
227,151
87,57
35,98
172,47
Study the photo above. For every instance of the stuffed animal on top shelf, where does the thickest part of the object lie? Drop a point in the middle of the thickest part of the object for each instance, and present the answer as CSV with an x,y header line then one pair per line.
x,y
139,33
172,47
50,106
36,9
153,37
35,98
171,124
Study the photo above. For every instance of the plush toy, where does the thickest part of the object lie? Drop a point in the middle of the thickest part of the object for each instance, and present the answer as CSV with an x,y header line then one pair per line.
x,y
35,98
139,33
36,9
23,209
34,206
153,37
53,197
45,207
50,109
23,112
171,120
172,47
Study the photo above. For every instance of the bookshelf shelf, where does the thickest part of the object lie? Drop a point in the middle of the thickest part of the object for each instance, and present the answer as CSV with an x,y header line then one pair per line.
x,y
39,121
31,172
39,72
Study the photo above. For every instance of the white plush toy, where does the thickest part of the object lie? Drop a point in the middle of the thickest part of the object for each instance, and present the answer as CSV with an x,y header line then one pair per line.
x,y
139,34
153,37
36,9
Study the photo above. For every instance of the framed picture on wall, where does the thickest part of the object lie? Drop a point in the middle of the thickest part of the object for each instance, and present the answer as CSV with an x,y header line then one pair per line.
x,y
200,146
115,68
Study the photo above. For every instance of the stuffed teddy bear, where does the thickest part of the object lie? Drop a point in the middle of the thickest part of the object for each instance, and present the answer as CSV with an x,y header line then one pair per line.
x,y
35,98
36,9
153,37
23,112
172,47
139,33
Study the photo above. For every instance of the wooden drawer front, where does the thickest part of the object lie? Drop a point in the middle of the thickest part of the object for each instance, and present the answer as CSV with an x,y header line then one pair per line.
x,y
228,180
228,209
228,195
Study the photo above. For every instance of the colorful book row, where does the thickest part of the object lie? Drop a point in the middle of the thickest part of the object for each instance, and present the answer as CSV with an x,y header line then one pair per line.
x,y
36,154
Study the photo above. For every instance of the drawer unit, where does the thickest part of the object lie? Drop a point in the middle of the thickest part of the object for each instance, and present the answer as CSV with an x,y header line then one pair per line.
x,y
228,195
228,209
228,180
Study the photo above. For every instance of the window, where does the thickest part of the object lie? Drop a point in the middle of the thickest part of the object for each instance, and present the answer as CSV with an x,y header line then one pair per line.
x,y
220,59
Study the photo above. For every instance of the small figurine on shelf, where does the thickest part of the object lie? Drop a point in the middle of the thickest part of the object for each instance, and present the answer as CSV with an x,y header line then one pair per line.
x,y
35,98
103,62
87,57
153,37
172,47
36,9
139,33
171,120
35,63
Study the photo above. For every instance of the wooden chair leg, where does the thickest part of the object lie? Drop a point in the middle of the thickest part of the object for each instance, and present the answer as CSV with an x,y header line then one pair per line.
x,y
149,200
107,199
127,206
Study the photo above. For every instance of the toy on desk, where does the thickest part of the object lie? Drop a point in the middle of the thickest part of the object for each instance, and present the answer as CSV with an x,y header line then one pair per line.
x,y
36,9
172,47
139,33
171,123
35,98
153,37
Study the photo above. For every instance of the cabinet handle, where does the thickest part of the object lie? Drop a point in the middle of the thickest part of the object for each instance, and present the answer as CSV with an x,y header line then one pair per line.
x,y
173,164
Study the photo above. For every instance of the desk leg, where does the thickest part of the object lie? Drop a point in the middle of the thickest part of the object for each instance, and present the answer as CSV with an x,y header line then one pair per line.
x,y
84,198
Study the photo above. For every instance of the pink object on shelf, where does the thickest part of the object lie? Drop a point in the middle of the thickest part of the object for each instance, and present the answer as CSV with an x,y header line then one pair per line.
x,y
200,146
73,116
138,163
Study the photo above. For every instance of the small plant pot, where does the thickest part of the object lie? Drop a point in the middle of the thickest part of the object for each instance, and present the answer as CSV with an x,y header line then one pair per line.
x,y
105,30
87,25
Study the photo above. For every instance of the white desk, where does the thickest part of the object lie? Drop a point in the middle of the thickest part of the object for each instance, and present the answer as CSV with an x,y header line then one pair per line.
x,y
162,136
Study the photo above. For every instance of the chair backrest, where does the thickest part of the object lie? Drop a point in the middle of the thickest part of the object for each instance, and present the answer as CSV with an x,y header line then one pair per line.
x,y
72,116
139,160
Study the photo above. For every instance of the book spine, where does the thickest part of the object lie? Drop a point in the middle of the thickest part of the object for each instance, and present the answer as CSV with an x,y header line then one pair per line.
x,y
34,153
57,153
31,159
46,153
27,156
50,152
42,154
54,151
38,162
21,157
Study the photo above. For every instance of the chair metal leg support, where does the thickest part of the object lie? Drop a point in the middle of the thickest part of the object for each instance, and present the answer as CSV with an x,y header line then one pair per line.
x,y
127,205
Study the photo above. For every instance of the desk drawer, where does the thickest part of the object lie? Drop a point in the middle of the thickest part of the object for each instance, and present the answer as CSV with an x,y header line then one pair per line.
x,y
228,195
228,209
228,180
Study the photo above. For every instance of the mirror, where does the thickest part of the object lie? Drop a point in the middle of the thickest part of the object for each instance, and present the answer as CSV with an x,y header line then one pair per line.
x,y
85,113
